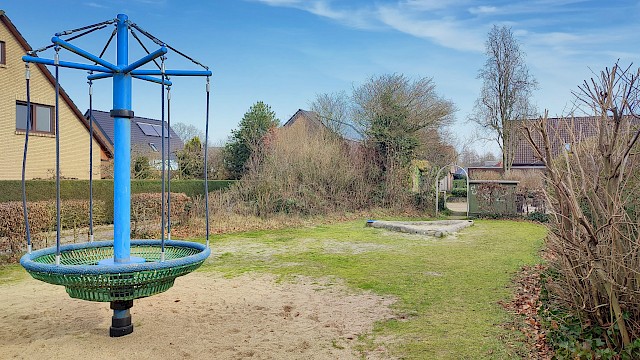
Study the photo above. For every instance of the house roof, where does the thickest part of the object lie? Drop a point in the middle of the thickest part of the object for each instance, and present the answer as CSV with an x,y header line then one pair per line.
x,y
561,131
144,131
312,121
102,141
311,117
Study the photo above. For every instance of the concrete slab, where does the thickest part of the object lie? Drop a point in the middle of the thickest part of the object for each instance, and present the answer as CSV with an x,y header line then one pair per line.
x,y
437,228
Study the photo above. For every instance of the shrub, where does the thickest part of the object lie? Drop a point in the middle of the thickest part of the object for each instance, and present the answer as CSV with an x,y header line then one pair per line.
x,y
146,208
459,192
141,168
40,190
593,238
12,223
42,218
537,217
305,173
460,184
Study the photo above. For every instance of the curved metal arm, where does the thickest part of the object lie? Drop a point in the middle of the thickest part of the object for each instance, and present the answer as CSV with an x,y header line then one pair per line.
x,y
438,185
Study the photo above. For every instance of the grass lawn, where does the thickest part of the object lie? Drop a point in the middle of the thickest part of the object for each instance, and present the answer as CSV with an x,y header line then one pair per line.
x,y
447,288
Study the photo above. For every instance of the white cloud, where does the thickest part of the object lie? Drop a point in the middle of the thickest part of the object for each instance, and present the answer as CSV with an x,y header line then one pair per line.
x,y
456,25
95,5
483,10
281,2
448,33
355,17
429,5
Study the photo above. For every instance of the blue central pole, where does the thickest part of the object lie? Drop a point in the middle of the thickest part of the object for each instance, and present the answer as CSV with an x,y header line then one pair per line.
x,y
122,147
121,321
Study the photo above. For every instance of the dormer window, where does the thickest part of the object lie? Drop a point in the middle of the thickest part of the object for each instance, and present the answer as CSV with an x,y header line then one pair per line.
x,y
153,147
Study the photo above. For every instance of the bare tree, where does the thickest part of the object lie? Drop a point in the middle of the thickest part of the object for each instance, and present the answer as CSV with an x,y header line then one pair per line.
x,y
594,183
333,112
187,132
506,92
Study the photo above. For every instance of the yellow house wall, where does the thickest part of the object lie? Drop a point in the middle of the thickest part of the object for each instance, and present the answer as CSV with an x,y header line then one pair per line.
x,y
74,136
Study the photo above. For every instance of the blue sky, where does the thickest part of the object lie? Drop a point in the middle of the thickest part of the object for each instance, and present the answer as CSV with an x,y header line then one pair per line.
x,y
283,52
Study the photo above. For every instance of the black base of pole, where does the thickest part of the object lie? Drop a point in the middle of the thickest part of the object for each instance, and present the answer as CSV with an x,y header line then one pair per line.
x,y
121,325
121,331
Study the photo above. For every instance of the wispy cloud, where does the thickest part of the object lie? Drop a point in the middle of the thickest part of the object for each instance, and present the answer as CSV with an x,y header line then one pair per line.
x,y
483,10
430,5
357,17
95,5
400,16
463,24
449,33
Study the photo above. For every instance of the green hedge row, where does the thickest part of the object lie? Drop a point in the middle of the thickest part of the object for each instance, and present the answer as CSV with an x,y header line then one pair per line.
x,y
41,190
460,184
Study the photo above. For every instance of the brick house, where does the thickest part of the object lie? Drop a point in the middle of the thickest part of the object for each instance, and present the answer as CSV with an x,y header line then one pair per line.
x,y
74,128
564,134
310,121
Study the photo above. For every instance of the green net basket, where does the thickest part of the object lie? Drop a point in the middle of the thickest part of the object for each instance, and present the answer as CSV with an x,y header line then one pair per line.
x,y
83,278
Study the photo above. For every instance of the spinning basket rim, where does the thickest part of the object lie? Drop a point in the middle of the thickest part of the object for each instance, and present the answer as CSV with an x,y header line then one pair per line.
x,y
28,261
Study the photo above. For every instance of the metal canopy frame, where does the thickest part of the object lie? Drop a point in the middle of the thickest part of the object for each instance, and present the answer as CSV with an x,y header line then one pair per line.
x,y
122,73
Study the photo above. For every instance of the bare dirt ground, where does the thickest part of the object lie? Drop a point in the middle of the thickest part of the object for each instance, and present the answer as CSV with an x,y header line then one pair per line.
x,y
203,316
460,207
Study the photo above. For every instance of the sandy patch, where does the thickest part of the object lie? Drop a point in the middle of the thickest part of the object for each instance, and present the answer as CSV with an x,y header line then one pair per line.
x,y
203,316
265,252
341,247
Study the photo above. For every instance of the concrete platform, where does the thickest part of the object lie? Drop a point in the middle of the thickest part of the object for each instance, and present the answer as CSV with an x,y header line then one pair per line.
x,y
438,228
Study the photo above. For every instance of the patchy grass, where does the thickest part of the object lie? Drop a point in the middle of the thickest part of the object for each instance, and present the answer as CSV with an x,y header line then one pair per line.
x,y
447,288
12,273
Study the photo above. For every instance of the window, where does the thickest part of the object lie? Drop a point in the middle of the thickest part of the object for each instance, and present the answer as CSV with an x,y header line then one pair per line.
x,y
153,146
41,118
3,53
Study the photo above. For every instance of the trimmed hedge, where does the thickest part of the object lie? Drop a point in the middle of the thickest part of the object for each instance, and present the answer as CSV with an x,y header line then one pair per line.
x,y
460,184
42,218
458,192
42,190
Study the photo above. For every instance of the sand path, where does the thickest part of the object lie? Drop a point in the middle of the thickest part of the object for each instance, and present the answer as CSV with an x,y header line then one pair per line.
x,y
203,316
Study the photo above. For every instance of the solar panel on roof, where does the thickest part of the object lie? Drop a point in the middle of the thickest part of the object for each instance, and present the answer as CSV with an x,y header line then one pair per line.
x,y
166,131
148,129
152,130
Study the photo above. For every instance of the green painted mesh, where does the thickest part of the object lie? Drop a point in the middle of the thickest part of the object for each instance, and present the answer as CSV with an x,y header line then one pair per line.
x,y
112,287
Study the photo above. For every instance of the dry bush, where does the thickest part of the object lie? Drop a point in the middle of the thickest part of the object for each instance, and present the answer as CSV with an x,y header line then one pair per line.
x,y
530,190
593,241
229,215
12,227
74,214
146,209
487,175
304,172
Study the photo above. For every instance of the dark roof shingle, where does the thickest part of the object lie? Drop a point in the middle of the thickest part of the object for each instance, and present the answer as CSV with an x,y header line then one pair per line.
x,y
139,140
562,131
